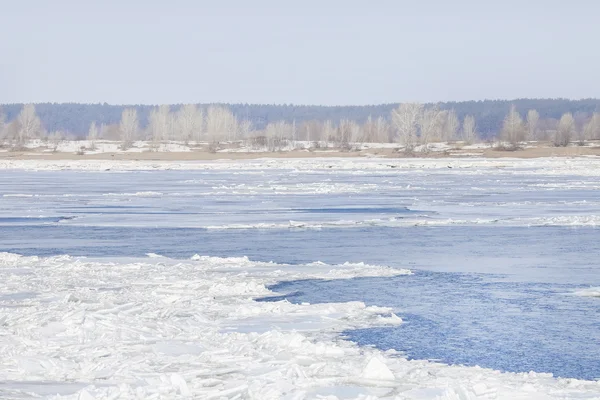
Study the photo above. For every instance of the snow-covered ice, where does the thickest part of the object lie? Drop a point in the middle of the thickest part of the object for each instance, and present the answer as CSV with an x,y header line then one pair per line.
x,y
157,327
589,292
163,328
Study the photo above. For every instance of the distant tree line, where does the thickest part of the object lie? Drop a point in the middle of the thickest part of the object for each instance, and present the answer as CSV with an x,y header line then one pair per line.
x,y
408,124
75,119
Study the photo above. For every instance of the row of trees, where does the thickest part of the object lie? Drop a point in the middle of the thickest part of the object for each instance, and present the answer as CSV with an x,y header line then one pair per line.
x,y
409,125
562,132
489,114
414,124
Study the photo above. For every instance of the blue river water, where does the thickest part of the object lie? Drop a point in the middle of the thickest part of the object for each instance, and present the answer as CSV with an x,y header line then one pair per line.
x,y
498,294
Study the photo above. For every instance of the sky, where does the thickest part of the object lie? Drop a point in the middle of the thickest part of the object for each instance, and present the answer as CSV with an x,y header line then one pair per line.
x,y
330,52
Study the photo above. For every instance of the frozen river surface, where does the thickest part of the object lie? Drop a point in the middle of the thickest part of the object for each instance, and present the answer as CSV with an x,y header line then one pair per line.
x,y
504,261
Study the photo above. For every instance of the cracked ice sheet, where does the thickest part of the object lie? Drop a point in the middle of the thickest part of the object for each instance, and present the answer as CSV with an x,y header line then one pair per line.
x,y
78,328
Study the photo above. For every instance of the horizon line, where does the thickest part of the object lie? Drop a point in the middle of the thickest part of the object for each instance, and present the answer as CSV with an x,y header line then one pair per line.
x,y
298,104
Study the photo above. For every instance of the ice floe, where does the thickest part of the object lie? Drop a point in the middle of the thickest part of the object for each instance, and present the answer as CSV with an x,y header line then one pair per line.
x,y
589,292
157,328
580,166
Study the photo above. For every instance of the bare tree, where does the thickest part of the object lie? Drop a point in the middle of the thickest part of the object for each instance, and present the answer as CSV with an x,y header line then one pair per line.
x,y
581,118
154,129
3,128
92,135
328,132
369,130
293,133
430,125
382,130
451,126
376,131
129,127
189,123
592,127
533,118
311,131
245,128
405,120
30,126
160,125
231,126
513,130
199,126
277,134
469,130
221,124
565,130
348,132
305,130
55,139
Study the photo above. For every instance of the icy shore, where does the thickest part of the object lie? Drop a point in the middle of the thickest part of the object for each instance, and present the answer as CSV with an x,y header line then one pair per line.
x,y
581,166
78,328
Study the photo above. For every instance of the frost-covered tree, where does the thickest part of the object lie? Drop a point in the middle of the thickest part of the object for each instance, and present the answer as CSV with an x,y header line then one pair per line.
x,y
592,127
3,127
160,124
451,126
375,130
328,132
347,132
513,130
533,118
221,124
30,126
430,125
189,123
311,131
469,130
405,120
155,128
231,126
92,135
129,127
565,130
277,134
245,128
382,130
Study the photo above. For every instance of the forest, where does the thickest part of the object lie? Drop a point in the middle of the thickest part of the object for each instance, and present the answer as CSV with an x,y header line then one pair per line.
x,y
75,119
273,127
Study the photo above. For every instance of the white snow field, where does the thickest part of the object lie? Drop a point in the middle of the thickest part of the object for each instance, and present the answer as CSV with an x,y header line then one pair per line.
x,y
74,328
161,328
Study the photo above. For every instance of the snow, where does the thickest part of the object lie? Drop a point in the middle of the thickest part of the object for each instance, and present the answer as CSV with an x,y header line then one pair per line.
x,y
102,146
164,328
589,292
566,220
581,166
156,327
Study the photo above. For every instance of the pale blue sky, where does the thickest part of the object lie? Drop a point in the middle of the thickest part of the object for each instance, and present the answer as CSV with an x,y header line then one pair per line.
x,y
303,52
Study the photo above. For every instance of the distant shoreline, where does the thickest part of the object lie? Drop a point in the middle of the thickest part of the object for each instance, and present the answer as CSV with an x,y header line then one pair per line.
x,y
385,153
